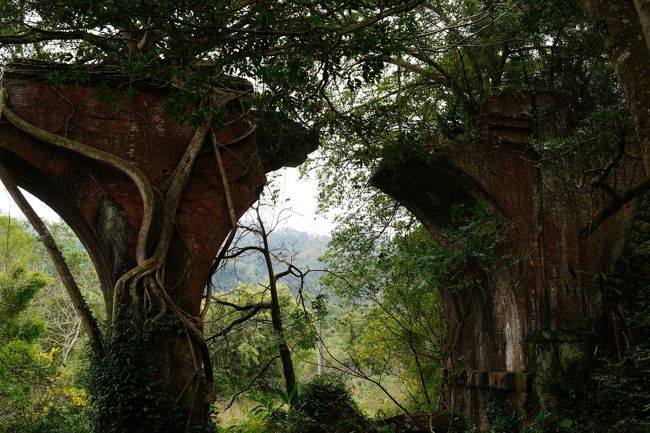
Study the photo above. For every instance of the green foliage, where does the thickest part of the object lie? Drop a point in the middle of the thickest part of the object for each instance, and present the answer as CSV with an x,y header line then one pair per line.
x,y
393,285
125,392
436,99
237,361
17,290
34,393
16,245
53,304
293,50
65,419
473,239
501,416
323,405
18,332
327,396
614,401
595,142
37,332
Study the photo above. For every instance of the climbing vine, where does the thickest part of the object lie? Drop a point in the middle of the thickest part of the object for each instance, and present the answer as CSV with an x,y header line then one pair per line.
x,y
124,379
124,388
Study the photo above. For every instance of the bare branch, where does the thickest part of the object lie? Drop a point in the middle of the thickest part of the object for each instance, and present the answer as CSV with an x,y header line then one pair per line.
x,y
616,204
254,310
242,307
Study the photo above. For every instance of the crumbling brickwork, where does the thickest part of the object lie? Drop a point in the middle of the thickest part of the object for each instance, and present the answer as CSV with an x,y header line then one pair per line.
x,y
101,204
534,308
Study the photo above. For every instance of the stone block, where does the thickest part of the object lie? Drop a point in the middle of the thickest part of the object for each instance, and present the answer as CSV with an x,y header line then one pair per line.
x,y
502,380
521,382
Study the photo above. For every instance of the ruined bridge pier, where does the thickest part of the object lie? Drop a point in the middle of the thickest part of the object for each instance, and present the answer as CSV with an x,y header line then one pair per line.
x,y
528,320
102,204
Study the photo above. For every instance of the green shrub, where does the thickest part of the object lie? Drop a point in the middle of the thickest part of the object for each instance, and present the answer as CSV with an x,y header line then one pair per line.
x,y
323,405
328,403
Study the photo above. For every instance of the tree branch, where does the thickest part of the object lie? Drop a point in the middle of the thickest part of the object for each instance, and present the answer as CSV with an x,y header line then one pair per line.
x,y
242,307
266,367
255,309
35,35
616,204
79,303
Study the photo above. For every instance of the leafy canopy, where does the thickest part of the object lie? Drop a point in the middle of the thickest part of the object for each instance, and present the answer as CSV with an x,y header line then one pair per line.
x,y
291,49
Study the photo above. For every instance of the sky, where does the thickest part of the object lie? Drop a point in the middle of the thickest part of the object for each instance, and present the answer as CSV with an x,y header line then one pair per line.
x,y
298,196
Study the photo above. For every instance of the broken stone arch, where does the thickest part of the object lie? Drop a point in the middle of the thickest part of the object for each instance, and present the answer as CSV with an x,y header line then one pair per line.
x,y
531,317
30,179
101,204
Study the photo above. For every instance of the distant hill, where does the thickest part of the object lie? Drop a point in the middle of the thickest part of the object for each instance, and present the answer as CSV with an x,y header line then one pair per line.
x,y
304,248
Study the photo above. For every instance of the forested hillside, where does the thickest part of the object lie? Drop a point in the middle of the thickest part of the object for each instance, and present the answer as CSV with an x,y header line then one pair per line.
x,y
307,248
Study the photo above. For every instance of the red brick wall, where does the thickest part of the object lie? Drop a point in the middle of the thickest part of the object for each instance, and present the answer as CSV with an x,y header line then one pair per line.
x,y
137,129
527,315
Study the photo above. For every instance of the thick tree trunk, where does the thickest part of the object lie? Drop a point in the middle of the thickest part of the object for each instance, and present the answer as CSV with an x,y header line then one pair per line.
x,y
624,26
285,353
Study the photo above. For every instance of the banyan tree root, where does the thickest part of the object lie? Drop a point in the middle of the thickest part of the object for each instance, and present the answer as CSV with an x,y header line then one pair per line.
x,y
126,167
148,276
145,266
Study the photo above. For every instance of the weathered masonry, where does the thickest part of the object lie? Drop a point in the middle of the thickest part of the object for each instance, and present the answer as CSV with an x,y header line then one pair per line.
x,y
101,204
106,114
529,317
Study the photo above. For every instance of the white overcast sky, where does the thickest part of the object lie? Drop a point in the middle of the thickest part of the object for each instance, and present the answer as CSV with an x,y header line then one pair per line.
x,y
299,196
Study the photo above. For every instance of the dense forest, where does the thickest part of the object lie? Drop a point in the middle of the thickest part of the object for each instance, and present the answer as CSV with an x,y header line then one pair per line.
x,y
487,162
